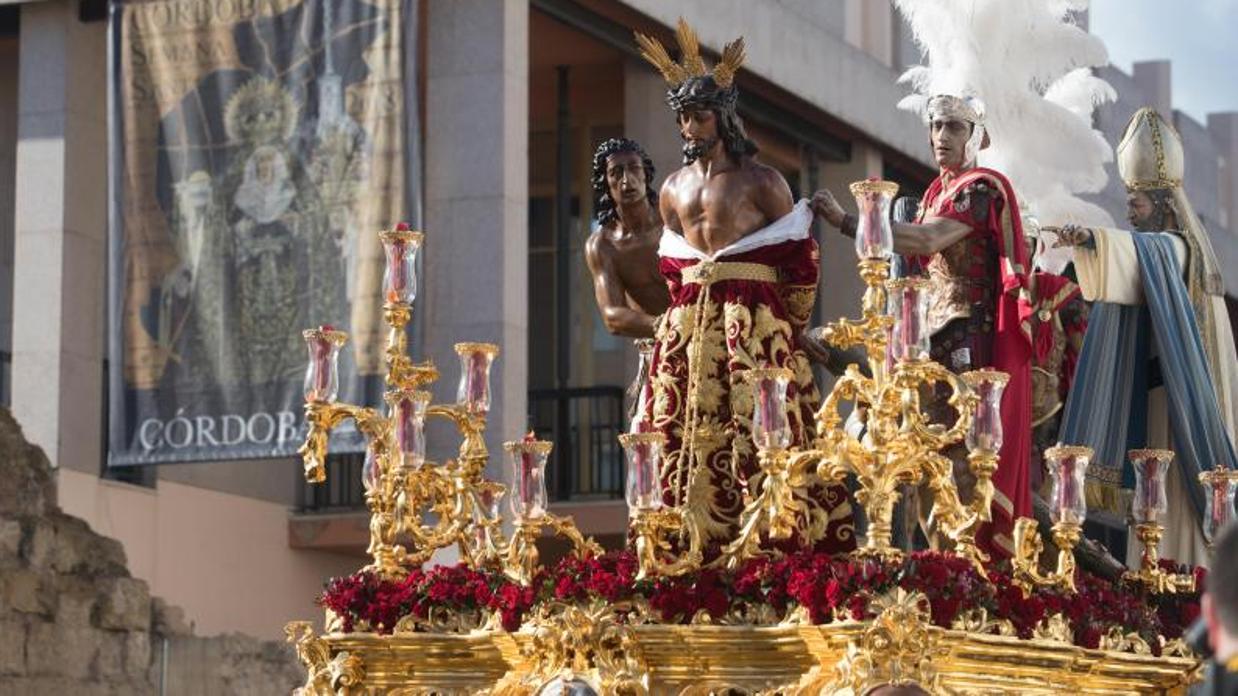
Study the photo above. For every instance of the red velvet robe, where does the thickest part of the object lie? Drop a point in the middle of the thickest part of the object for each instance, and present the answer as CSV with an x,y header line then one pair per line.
x,y
1008,344
749,316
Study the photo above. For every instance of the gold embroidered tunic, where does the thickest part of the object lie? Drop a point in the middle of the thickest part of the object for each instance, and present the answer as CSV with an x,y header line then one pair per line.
x,y
740,309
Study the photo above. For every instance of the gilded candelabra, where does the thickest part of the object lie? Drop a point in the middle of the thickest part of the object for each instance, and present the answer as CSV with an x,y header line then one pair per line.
x,y
1067,508
1147,506
1219,486
899,444
652,524
402,488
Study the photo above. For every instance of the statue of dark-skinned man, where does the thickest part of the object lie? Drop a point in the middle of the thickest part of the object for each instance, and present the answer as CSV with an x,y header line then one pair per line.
x,y
741,267
622,252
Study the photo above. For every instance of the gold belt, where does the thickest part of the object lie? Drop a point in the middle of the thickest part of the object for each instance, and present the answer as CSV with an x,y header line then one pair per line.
x,y
707,272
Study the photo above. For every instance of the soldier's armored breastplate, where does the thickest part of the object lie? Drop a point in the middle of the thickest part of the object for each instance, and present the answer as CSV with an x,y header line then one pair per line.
x,y
962,283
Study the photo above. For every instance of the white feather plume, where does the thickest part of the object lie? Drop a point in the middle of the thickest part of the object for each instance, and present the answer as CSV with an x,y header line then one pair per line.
x,y
1031,66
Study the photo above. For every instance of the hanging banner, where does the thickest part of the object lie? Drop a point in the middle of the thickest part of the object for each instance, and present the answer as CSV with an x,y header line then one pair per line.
x,y
256,148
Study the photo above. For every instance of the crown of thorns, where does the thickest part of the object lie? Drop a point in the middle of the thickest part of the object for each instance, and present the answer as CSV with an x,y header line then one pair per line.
x,y
692,85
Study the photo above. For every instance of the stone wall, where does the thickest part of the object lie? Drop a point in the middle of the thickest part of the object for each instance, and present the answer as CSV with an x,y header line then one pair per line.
x,y
73,620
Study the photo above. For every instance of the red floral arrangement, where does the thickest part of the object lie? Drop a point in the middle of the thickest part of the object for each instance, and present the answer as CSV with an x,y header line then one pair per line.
x,y
365,601
821,587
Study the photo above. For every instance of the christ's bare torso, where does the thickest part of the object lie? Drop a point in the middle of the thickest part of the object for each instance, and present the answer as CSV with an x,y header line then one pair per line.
x,y
714,206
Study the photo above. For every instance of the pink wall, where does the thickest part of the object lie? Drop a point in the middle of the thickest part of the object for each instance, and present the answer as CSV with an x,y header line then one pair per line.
x,y
223,558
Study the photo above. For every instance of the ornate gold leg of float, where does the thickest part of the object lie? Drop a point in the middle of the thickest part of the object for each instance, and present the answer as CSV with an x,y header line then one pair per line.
x,y
341,675
899,647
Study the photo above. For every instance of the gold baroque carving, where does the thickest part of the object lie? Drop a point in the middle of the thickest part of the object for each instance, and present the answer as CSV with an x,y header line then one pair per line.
x,y
341,675
582,644
898,647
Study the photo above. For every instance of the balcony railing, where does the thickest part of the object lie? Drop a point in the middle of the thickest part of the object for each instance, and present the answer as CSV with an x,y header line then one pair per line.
x,y
587,463
341,492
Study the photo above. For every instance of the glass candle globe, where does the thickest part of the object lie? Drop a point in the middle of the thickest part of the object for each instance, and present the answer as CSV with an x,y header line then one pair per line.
x,y
407,409
1219,487
985,433
1068,468
400,247
473,392
526,461
770,427
1151,466
874,238
322,373
908,304
643,491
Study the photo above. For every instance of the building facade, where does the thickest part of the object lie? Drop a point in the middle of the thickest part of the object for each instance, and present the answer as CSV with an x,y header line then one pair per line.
x,y
516,96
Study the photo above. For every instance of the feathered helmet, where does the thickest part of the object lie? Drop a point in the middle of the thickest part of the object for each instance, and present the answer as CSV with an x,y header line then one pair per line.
x,y
949,107
692,86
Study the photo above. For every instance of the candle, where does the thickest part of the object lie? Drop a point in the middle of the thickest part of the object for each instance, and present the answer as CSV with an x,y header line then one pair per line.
x,y
527,460
528,465
396,281
322,380
874,238
644,452
985,433
479,367
1068,469
321,349
1067,492
400,245
473,391
371,472
891,349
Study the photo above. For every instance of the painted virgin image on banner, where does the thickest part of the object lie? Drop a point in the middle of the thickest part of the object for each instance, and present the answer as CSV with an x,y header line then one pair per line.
x,y
253,142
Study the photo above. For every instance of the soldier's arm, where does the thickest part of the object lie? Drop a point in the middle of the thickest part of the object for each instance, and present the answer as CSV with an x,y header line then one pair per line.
x,y
910,239
619,318
929,237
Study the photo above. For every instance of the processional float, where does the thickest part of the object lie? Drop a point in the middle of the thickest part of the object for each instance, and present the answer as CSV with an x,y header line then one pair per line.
x,y
500,623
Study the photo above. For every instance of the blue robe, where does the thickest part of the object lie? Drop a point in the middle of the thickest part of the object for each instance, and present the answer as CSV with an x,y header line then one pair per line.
x,y
1107,405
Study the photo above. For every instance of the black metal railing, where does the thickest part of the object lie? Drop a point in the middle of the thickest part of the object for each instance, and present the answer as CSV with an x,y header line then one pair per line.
x,y
587,461
341,492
